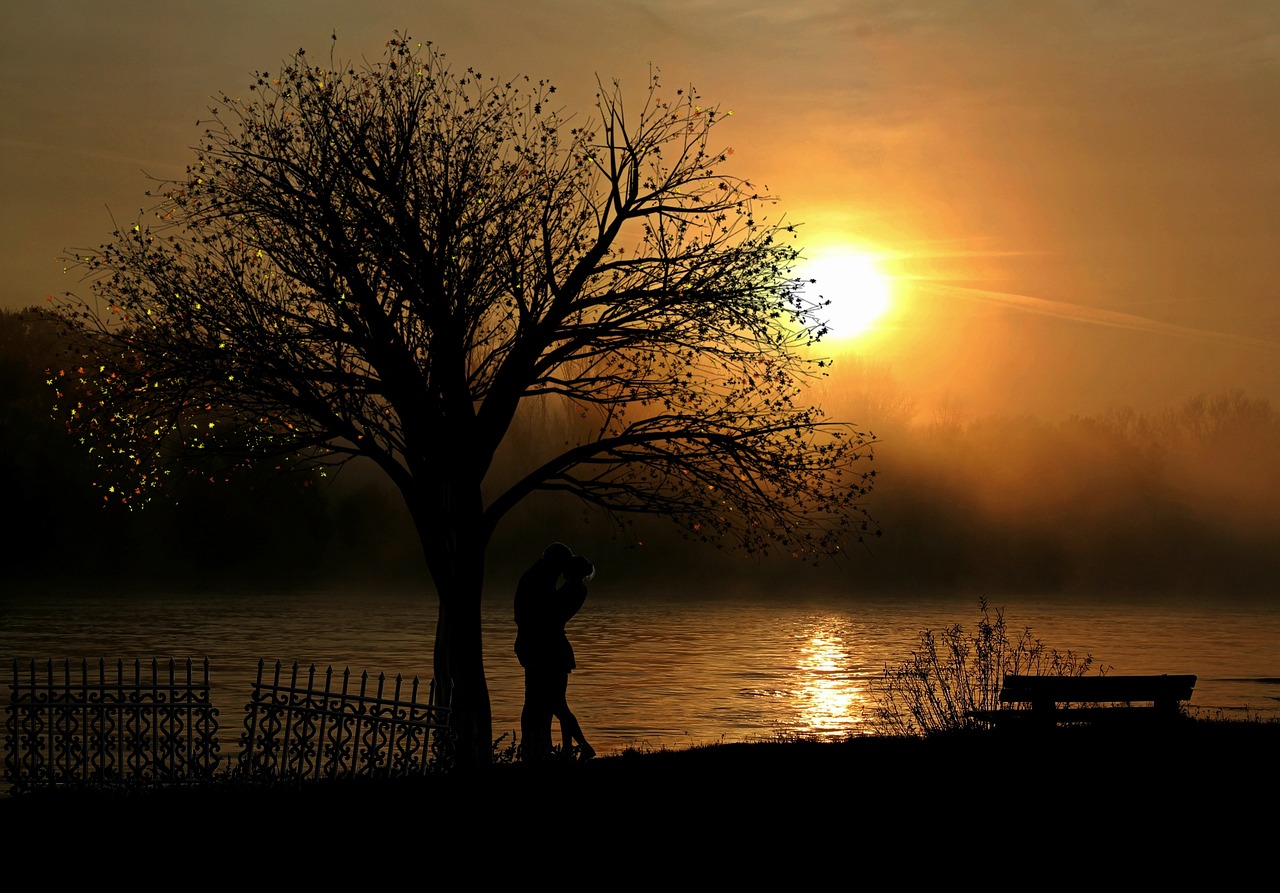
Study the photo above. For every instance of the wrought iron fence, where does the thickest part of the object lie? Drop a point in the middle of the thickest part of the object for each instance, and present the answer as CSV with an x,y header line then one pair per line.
x,y
104,729
303,730
113,730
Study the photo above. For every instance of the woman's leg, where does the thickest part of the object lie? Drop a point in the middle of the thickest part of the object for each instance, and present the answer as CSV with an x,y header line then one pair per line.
x,y
575,733
569,726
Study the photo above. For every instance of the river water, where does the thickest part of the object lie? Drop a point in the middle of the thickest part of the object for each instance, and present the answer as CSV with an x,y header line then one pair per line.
x,y
656,672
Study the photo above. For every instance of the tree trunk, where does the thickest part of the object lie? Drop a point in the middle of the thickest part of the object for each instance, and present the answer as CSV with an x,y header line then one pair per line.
x,y
459,670
454,546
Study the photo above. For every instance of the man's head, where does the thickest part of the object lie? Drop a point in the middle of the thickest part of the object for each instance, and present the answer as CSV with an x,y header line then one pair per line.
x,y
557,555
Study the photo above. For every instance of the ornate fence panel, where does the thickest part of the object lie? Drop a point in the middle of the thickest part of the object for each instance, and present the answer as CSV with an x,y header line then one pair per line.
x,y
100,730
297,731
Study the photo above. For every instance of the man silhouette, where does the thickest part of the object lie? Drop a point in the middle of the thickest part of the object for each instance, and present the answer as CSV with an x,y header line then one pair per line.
x,y
536,648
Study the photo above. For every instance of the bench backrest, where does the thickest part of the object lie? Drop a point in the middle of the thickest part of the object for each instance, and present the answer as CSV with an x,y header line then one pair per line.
x,y
103,728
312,729
1163,690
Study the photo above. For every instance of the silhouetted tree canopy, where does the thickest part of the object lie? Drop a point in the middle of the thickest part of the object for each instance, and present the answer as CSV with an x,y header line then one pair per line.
x,y
271,531
396,261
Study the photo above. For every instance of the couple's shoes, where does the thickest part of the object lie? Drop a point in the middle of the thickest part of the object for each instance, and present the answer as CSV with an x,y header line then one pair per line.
x,y
584,752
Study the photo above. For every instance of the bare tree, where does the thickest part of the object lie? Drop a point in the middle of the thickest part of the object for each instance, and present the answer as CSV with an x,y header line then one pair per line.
x,y
389,260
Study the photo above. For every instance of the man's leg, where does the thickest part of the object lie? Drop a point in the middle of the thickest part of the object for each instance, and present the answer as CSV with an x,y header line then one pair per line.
x,y
532,746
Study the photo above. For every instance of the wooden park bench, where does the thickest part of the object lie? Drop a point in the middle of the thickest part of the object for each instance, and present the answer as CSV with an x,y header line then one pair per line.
x,y
109,730
302,730
1047,701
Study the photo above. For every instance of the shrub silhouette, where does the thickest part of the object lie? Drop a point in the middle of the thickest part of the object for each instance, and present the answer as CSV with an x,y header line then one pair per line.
x,y
953,672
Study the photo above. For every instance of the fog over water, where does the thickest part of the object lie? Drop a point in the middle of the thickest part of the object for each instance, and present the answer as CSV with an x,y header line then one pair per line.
x,y
1175,498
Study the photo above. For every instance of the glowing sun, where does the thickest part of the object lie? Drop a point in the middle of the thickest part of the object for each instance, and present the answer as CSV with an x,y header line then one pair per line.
x,y
858,291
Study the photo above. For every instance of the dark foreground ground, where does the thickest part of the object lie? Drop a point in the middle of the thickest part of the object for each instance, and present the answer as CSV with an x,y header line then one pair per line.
x,y
1069,809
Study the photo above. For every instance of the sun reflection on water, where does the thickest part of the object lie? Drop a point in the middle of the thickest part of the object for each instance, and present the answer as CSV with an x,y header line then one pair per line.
x,y
831,698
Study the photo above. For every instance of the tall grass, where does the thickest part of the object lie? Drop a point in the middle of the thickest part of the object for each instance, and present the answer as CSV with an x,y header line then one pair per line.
x,y
952,672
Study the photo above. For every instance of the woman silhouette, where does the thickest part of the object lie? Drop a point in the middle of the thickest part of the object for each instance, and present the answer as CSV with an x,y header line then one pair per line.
x,y
568,600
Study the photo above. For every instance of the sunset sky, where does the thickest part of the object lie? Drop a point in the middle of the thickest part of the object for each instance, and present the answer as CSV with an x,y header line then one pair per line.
x,y
1076,204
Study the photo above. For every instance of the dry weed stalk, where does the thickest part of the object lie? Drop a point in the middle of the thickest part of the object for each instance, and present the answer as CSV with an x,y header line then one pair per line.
x,y
951,673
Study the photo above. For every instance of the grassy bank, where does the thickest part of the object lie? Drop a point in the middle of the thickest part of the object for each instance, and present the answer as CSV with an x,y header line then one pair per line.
x,y
1211,782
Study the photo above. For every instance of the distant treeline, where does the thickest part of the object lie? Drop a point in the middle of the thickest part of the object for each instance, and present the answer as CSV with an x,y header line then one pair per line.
x,y
1183,499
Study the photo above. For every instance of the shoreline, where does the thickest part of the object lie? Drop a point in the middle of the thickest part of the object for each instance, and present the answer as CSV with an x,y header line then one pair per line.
x,y
1195,802
1215,759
